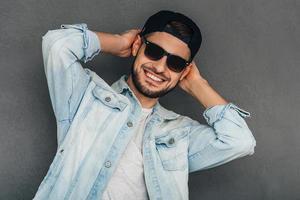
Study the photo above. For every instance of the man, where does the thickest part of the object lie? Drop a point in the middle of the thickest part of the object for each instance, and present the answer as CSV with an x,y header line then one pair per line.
x,y
118,142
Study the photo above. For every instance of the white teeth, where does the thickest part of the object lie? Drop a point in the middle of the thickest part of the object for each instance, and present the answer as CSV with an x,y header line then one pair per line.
x,y
153,77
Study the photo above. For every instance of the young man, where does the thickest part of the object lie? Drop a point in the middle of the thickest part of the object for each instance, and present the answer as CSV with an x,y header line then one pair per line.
x,y
117,142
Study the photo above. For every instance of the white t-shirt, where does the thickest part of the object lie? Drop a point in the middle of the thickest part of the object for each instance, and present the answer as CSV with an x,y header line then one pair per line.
x,y
128,180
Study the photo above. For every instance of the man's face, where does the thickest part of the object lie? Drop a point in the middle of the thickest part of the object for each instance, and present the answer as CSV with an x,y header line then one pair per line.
x,y
143,68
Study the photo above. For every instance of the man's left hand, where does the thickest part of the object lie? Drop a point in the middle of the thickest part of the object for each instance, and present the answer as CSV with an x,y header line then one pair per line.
x,y
193,75
193,83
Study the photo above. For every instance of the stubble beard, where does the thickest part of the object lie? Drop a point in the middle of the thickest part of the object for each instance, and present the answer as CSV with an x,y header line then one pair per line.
x,y
136,79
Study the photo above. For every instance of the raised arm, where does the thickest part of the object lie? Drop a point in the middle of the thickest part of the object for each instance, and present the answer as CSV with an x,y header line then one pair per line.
x,y
63,49
225,138
67,79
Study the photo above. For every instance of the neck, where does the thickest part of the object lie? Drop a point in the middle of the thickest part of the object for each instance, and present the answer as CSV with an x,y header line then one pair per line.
x,y
146,102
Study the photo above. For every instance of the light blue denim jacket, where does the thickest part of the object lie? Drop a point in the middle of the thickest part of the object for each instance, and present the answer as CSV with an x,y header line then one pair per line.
x,y
95,122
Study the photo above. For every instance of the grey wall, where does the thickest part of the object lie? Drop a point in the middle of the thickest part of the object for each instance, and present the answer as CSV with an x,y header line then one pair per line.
x,y
250,55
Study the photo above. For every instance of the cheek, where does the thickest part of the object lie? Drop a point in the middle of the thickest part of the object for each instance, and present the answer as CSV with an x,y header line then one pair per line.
x,y
175,76
137,66
174,81
138,63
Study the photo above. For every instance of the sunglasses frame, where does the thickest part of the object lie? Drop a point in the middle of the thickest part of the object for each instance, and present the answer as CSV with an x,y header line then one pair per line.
x,y
165,53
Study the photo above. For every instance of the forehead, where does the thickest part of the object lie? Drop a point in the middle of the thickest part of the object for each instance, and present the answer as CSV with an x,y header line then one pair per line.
x,y
170,43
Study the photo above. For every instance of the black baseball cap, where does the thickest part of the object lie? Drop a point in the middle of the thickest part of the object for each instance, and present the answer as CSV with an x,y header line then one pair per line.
x,y
159,21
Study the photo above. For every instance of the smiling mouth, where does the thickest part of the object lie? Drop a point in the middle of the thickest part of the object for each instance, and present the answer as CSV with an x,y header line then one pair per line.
x,y
152,78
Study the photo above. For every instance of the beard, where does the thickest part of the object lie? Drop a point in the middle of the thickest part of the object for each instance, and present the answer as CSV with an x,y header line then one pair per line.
x,y
136,79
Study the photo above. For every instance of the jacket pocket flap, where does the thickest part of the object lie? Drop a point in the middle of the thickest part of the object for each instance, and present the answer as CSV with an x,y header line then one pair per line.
x,y
170,138
109,98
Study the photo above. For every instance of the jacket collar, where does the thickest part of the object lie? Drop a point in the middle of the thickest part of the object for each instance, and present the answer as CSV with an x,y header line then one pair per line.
x,y
121,86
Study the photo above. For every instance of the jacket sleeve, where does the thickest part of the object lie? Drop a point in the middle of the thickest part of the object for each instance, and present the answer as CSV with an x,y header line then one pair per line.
x,y
66,78
226,137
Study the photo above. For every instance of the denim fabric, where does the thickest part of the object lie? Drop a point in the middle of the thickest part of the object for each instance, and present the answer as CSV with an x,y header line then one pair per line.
x,y
95,122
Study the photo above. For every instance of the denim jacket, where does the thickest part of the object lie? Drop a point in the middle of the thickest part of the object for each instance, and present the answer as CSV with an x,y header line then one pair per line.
x,y
95,122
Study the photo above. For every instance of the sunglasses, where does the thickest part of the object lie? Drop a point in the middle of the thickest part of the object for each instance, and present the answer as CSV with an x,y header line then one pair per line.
x,y
155,52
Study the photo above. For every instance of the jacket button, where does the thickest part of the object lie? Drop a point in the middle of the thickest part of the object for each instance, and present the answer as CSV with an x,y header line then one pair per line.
x,y
171,141
129,124
107,99
107,164
62,150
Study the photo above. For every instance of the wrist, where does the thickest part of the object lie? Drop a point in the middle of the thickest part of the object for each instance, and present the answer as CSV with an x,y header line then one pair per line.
x,y
197,85
110,43
205,94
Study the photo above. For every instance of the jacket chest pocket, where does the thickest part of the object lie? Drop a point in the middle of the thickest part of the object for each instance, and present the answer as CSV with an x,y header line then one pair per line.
x,y
172,149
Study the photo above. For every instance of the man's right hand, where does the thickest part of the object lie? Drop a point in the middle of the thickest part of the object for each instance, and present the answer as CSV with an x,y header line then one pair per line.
x,y
118,44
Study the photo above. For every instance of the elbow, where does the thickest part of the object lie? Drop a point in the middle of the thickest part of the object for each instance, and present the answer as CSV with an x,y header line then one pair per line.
x,y
47,41
52,37
249,146
47,37
245,145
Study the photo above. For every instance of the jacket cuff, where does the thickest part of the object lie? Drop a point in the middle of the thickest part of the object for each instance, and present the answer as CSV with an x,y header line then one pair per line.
x,y
217,112
91,43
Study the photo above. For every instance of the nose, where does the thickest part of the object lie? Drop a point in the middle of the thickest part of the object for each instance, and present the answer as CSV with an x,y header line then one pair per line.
x,y
161,64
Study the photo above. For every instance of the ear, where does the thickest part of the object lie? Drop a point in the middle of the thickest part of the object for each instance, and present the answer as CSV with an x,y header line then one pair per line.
x,y
137,43
185,71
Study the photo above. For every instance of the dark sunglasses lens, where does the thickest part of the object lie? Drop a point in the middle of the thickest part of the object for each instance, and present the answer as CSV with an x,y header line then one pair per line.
x,y
153,51
176,63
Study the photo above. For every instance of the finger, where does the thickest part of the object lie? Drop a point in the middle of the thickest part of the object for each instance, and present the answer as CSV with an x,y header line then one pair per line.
x,y
137,30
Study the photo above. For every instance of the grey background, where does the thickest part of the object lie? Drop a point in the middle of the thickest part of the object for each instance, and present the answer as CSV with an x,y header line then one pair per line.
x,y
250,55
